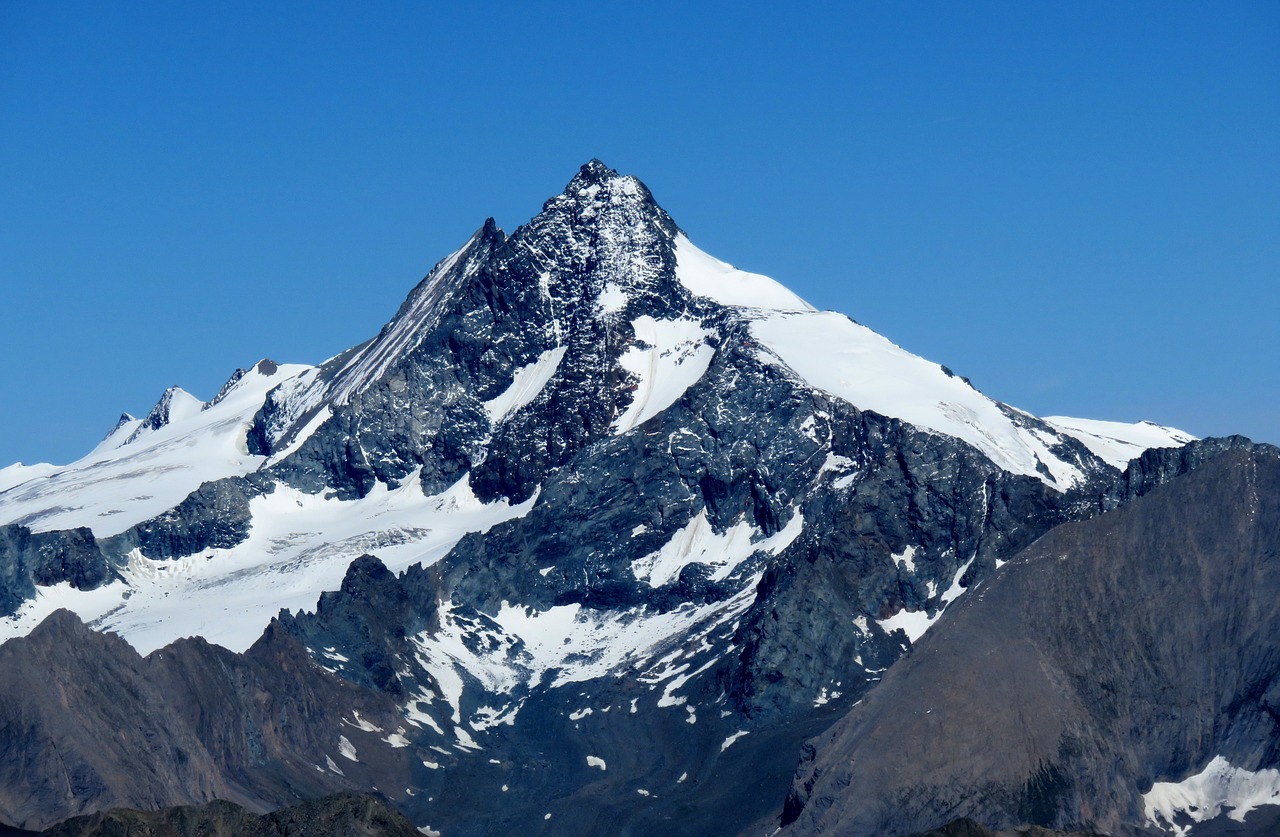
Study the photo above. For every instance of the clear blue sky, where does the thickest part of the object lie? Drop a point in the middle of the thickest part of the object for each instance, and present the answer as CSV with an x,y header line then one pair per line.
x,y
1077,205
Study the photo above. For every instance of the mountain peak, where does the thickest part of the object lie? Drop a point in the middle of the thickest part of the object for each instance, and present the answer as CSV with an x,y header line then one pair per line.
x,y
594,171
596,186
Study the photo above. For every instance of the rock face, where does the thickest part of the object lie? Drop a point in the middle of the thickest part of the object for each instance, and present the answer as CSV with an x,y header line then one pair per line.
x,y
589,538
965,827
339,815
29,559
1112,654
89,725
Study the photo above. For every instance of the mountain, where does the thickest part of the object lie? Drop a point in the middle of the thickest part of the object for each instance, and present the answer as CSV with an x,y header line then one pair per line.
x,y
1122,671
591,537
339,815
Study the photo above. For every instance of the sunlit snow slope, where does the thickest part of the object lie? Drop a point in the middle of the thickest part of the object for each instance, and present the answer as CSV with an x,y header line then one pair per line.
x,y
137,472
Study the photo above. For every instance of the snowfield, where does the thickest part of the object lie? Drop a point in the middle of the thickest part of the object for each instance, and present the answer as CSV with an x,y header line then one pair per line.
x,y
137,473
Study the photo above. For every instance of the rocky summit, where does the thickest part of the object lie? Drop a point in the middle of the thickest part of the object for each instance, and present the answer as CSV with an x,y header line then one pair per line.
x,y
600,534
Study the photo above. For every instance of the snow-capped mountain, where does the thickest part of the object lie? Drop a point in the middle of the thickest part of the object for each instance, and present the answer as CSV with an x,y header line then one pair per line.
x,y
602,277
598,528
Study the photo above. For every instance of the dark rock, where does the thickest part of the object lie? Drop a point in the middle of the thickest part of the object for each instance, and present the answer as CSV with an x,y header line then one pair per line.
x,y
965,827
339,815
214,516
31,558
1110,654
880,517
86,724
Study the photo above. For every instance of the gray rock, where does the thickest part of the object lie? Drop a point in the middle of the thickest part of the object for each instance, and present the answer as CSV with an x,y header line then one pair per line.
x,y
1110,654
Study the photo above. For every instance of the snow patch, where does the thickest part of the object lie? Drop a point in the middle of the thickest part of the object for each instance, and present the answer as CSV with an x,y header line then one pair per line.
x,y
518,648
595,761
1219,788
527,383
729,741
346,749
361,723
612,299
698,543
670,356
906,559
914,623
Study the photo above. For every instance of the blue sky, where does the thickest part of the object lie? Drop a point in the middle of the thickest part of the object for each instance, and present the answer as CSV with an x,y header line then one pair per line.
x,y
1076,205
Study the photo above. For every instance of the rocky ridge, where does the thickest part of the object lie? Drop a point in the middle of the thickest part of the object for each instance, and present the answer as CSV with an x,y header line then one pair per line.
x,y
1111,656
588,488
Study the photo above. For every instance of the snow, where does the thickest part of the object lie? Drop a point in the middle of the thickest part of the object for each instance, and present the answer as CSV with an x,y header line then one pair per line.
x,y
1219,788
834,354
595,761
612,299
581,645
1117,443
299,546
697,542
704,275
906,558
362,724
670,356
300,435
346,749
518,648
729,741
489,716
525,385
843,465
116,487
89,605
914,623
679,675
405,331
18,473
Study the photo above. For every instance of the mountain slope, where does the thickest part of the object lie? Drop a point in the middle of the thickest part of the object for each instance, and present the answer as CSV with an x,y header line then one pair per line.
x,y
637,523
340,815
86,724
513,356
1106,664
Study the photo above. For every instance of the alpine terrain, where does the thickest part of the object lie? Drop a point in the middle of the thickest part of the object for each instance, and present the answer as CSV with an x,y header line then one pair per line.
x,y
600,535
